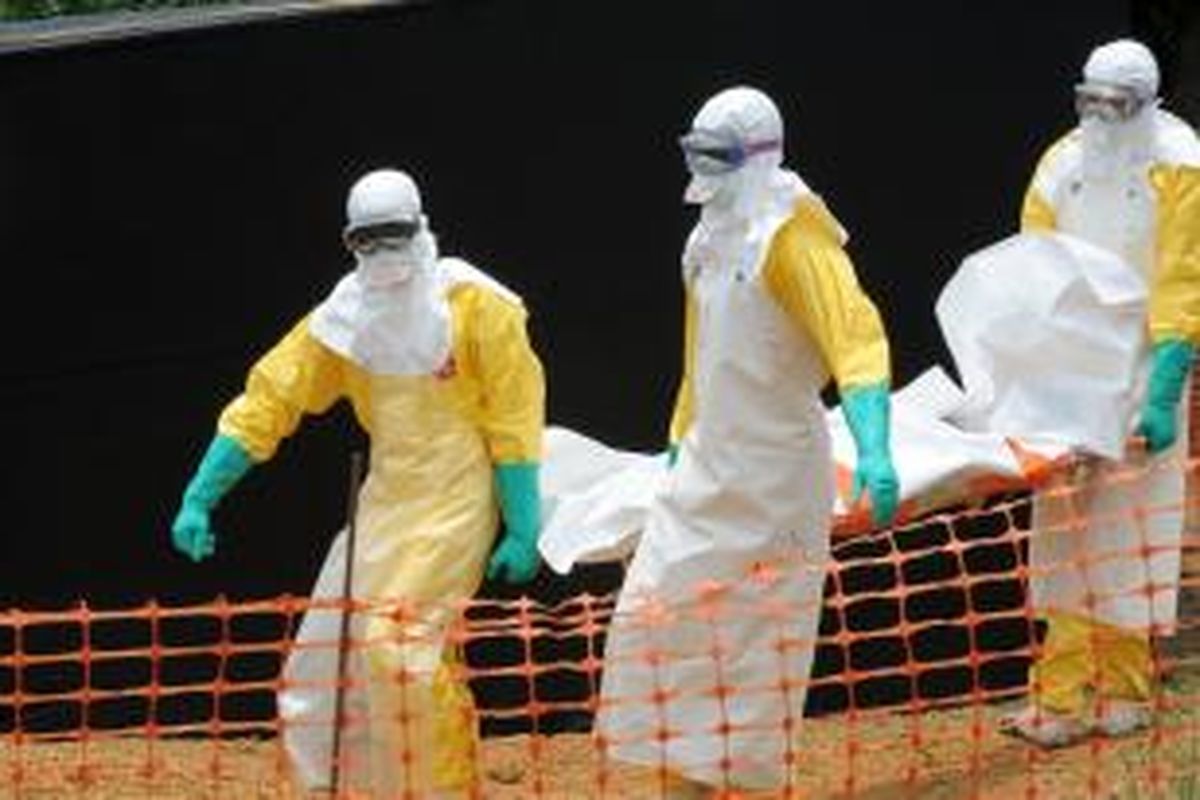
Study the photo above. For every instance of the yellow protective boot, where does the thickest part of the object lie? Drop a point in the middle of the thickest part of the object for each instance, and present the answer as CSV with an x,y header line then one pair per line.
x,y
1081,658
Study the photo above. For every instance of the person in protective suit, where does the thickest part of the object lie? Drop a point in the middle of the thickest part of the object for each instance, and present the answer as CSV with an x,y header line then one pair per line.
x,y
1105,576
709,653
433,356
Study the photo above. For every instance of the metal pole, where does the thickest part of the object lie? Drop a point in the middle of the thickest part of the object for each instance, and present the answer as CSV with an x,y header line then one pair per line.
x,y
335,768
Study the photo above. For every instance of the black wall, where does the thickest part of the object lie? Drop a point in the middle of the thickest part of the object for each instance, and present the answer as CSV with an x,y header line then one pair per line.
x,y
169,206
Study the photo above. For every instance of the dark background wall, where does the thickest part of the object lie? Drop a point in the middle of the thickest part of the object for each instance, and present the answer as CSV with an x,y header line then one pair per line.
x,y
168,206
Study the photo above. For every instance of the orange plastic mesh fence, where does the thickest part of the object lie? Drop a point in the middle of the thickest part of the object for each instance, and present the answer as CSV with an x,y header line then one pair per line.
x,y
921,640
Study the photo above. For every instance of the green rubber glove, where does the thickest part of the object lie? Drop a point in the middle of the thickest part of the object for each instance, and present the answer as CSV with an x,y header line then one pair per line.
x,y
223,465
1170,365
516,560
868,413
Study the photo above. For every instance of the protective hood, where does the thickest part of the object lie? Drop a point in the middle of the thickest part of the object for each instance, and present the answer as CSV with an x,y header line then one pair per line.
x,y
1117,145
1127,64
734,173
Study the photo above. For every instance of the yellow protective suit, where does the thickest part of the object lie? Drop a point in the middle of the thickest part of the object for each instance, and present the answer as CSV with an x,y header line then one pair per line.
x,y
1098,607
427,519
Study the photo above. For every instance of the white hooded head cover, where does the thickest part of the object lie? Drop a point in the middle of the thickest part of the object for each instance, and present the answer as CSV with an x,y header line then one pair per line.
x,y
1125,63
749,117
1110,148
741,209
390,315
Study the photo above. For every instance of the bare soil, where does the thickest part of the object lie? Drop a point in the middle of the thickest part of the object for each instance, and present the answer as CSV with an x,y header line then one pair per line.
x,y
927,754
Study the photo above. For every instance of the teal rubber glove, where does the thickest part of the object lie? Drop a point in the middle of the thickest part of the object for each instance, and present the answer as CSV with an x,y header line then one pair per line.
x,y
1171,362
223,465
868,413
672,454
516,560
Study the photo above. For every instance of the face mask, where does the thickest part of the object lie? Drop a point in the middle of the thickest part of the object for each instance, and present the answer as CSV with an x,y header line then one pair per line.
x,y
735,195
706,189
383,267
1109,147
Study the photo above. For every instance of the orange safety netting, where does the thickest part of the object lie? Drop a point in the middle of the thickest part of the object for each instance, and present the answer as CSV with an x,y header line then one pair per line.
x,y
926,637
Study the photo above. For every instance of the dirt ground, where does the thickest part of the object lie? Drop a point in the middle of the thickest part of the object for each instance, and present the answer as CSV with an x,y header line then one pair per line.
x,y
933,754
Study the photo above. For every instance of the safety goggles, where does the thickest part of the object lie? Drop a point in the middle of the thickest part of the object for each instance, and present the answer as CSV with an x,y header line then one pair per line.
x,y
718,152
1106,103
381,236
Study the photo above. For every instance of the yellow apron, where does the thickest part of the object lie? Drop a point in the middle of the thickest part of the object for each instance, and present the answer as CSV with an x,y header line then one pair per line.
x,y
426,523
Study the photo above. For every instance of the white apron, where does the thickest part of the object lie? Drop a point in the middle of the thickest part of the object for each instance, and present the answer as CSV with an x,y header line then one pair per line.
x,y
745,513
1087,544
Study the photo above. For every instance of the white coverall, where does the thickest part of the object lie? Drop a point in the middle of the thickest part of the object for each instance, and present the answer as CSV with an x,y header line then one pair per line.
x,y
1139,198
708,657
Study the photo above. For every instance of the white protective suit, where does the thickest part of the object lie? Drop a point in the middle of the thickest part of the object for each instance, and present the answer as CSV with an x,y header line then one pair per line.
x,y
1130,188
711,645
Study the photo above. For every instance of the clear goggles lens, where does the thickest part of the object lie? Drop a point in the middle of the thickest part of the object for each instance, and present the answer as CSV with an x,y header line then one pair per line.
x,y
1106,103
717,152
382,236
